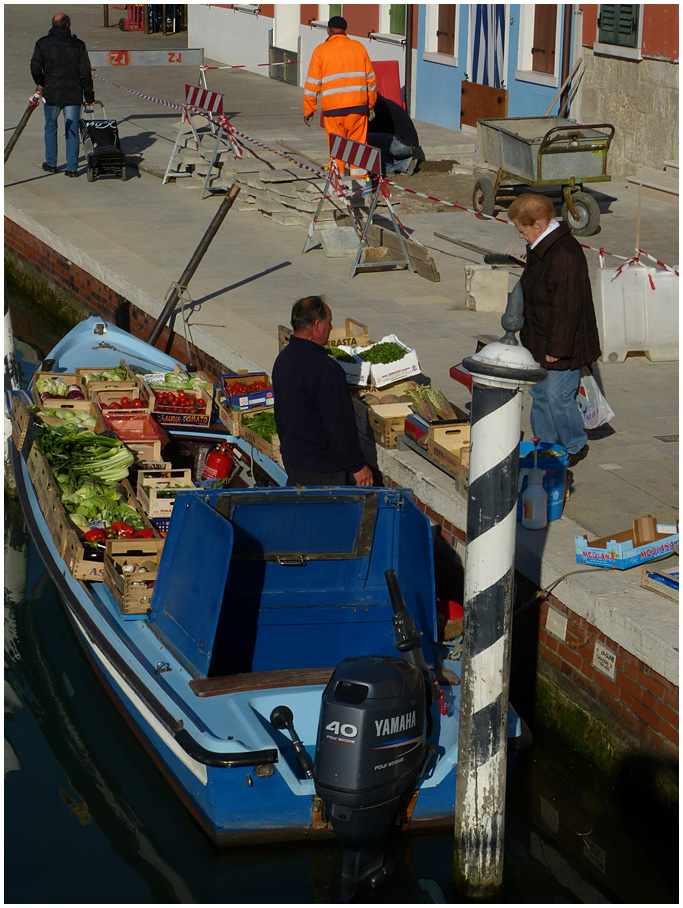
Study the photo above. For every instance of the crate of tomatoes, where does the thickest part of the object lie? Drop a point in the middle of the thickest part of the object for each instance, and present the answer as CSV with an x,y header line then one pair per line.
x,y
244,390
180,407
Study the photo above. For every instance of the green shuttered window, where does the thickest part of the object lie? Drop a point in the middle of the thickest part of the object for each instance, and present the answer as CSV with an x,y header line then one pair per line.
x,y
618,24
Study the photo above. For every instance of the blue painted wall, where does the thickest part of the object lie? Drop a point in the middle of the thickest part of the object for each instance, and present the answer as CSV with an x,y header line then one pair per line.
x,y
437,85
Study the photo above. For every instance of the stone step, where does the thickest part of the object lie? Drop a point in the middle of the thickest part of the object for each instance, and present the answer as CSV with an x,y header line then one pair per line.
x,y
671,168
656,185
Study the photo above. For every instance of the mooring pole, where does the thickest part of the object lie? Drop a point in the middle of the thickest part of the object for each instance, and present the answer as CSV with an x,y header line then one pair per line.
x,y
499,374
193,264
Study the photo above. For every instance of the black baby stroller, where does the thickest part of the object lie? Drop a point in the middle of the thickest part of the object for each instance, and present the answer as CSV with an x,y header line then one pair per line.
x,y
101,145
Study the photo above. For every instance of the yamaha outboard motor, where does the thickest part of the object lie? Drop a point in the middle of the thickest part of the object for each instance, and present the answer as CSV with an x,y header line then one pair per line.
x,y
372,741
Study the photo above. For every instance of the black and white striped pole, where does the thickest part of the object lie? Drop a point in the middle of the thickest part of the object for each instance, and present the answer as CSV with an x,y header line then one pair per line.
x,y
500,372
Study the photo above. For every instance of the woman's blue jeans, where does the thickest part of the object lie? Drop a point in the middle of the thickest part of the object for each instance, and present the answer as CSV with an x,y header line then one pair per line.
x,y
555,416
70,113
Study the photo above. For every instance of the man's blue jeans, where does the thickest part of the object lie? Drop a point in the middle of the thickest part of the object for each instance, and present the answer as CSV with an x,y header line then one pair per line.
x,y
395,155
555,416
70,113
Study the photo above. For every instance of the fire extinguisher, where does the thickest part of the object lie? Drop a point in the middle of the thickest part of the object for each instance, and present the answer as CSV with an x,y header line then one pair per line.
x,y
219,463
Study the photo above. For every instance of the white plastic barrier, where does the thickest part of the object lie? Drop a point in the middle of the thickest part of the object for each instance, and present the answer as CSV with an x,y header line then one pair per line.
x,y
635,318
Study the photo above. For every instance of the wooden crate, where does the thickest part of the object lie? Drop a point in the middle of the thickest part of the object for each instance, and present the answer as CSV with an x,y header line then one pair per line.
x,y
145,451
112,384
70,378
47,493
157,481
104,398
21,422
247,400
386,422
269,448
167,418
80,567
132,591
232,418
93,410
353,334
450,433
454,461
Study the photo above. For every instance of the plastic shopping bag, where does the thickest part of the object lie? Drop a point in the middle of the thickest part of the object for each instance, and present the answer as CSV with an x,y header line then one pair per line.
x,y
591,402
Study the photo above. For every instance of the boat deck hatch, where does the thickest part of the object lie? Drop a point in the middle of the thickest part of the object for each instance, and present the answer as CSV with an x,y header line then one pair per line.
x,y
289,579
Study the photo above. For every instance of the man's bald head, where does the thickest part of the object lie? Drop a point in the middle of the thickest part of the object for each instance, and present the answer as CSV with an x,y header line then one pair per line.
x,y
61,19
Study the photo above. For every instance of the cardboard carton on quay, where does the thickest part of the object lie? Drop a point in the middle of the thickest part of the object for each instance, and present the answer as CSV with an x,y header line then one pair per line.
x,y
645,541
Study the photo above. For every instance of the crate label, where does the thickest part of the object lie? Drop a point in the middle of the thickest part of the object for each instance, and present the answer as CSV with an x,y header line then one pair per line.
x,y
556,624
605,660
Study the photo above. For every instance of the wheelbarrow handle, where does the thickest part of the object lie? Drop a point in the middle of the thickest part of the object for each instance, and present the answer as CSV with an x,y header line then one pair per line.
x,y
573,129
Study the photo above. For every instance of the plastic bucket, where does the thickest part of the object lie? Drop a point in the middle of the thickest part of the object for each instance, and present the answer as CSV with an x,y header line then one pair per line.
x,y
555,467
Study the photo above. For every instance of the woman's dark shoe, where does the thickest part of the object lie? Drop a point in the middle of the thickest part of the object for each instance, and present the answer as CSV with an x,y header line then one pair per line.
x,y
578,456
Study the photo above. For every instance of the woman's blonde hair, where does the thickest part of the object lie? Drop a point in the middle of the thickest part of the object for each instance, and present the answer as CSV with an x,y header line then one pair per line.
x,y
531,207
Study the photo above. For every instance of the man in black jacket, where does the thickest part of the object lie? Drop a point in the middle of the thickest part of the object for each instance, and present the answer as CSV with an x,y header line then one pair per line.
x,y
60,67
393,132
313,411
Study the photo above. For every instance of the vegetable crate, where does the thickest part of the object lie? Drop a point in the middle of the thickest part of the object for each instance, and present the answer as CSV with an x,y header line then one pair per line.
x,y
47,493
92,386
357,372
122,399
130,571
183,413
382,373
233,418
67,378
386,422
353,334
21,422
271,448
93,412
145,451
244,390
80,567
157,490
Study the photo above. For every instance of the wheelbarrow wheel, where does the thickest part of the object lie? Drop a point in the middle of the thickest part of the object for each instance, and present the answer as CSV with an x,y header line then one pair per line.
x,y
484,196
588,212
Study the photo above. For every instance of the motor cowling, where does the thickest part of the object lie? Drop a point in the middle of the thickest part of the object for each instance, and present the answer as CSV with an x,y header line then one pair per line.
x,y
370,748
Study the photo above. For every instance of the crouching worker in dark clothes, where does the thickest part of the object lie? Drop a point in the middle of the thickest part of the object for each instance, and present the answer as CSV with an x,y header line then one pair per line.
x,y
313,411
393,132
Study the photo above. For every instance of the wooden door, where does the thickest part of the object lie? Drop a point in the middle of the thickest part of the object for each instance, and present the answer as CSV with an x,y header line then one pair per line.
x,y
545,29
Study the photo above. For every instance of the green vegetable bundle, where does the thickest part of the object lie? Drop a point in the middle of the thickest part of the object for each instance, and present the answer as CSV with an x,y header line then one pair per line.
x,y
52,386
263,424
80,452
385,352
116,373
86,499
341,355
181,381
431,404
73,417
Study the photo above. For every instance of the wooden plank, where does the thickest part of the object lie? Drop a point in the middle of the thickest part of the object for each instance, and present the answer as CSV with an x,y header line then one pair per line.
x,y
481,102
230,684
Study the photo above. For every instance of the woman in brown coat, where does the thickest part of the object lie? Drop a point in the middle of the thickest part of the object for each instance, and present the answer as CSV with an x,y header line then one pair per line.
x,y
560,329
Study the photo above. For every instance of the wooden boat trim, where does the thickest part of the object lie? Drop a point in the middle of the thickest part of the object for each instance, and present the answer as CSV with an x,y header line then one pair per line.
x,y
288,677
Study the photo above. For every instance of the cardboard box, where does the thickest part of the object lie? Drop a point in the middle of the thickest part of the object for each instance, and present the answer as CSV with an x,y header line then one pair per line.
x,y
47,492
22,419
620,550
132,590
382,374
185,418
357,372
249,399
69,378
662,581
157,490
386,422
80,567
448,445
352,334
360,409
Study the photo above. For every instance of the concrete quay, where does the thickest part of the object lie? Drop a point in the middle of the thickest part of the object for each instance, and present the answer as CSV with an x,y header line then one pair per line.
x,y
137,236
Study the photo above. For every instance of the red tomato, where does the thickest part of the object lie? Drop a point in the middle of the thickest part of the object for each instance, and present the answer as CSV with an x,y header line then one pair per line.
x,y
125,402
136,403
115,405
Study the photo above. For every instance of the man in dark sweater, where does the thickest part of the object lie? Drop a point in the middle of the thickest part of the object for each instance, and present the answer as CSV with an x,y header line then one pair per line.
x,y
60,67
313,411
393,132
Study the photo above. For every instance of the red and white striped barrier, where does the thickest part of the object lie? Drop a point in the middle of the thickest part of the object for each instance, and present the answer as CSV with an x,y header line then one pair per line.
x,y
203,99
601,251
355,154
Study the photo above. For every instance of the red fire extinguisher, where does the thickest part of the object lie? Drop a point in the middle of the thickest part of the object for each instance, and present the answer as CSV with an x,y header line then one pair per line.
x,y
219,463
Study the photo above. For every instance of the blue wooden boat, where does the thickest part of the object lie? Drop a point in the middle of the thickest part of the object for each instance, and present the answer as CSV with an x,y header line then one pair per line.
x,y
288,678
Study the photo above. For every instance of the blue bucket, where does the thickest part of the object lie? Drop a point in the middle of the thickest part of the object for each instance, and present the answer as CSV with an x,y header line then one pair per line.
x,y
555,467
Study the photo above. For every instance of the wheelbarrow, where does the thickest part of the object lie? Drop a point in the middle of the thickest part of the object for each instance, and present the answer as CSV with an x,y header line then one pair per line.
x,y
546,151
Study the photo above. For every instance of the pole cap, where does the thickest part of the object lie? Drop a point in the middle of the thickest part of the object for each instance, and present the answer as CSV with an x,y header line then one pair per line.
x,y
504,365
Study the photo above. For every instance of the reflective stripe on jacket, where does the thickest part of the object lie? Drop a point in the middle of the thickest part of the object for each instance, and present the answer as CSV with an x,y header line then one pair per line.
x,y
341,73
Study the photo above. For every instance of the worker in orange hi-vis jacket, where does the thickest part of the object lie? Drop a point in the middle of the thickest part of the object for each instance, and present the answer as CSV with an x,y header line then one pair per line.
x,y
341,73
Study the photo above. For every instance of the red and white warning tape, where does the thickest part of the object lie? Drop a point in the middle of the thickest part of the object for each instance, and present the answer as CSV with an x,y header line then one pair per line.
x,y
203,68
338,185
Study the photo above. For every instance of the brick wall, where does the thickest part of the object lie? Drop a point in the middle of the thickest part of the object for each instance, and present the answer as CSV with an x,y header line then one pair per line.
x,y
95,297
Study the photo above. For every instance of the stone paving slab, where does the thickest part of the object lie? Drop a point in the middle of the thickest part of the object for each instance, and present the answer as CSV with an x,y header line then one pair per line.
x,y
137,236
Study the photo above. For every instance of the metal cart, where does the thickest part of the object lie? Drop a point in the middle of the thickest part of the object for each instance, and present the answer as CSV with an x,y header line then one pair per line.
x,y
545,151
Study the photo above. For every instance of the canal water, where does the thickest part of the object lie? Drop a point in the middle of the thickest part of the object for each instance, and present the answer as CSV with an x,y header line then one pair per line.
x,y
88,818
